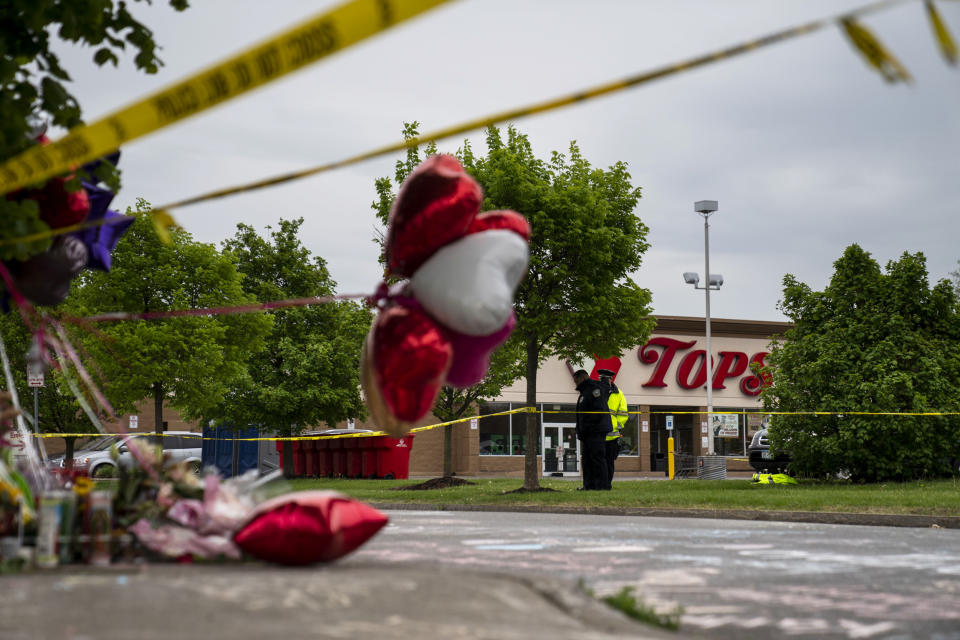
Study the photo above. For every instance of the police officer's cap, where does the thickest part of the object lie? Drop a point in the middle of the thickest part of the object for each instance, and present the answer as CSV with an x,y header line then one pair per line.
x,y
605,373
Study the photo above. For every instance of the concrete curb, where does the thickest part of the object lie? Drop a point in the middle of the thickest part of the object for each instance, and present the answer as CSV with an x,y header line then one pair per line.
x,y
354,598
818,517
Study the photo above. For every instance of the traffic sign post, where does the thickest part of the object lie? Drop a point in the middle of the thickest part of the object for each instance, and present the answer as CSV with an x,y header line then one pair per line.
x,y
669,423
35,380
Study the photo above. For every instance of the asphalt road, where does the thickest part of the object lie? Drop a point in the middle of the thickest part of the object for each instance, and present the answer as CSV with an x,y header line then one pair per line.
x,y
734,579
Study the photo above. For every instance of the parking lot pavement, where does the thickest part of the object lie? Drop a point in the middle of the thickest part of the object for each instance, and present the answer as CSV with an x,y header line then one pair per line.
x,y
356,599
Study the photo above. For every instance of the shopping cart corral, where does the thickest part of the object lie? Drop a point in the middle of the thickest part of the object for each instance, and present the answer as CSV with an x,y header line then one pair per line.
x,y
684,465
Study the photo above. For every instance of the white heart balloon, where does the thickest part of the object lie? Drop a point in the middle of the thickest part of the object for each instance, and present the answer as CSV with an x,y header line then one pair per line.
x,y
468,285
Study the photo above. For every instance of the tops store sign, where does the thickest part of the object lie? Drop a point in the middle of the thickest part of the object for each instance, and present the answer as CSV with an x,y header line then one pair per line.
x,y
691,372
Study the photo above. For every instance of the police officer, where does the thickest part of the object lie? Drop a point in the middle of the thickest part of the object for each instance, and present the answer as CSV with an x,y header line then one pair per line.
x,y
618,417
593,425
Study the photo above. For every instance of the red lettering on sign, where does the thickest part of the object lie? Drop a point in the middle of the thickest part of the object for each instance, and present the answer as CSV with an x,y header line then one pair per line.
x,y
697,357
732,364
752,385
649,356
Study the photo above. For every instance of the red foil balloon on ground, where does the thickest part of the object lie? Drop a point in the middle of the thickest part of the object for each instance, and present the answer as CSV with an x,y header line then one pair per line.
x,y
307,527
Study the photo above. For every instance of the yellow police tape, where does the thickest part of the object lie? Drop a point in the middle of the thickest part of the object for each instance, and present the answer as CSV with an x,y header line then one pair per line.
x,y
504,413
309,41
541,107
107,138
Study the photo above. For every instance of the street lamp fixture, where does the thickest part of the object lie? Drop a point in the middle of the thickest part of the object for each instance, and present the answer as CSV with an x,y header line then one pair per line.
x,y
714,281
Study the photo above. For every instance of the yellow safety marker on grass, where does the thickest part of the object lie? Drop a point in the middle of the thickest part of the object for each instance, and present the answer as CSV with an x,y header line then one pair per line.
x,y
309,41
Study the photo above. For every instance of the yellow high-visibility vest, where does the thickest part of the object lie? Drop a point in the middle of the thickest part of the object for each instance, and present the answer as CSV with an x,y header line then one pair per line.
x,y
618,412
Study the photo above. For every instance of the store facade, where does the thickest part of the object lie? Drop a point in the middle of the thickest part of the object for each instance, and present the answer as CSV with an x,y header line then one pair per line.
x,y
664,384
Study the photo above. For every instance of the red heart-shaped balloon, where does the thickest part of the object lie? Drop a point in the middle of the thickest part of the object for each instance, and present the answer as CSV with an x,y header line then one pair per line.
x,y
408,358
503,219
435,206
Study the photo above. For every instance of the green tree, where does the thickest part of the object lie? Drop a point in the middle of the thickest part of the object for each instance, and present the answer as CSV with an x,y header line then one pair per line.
x,y
578,298
33,82
191,362
308,370
871,341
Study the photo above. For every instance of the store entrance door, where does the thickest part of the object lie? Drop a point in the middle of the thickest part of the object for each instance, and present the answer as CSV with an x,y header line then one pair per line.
x,y
561,450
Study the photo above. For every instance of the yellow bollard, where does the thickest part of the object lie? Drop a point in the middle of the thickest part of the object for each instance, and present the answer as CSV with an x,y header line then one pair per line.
x,y
670,466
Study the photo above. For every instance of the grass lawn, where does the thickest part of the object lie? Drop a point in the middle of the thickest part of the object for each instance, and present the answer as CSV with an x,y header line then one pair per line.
x,y
939,497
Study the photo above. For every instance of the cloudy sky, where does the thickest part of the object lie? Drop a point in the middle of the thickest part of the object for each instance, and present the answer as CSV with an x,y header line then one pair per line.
x,y
806,149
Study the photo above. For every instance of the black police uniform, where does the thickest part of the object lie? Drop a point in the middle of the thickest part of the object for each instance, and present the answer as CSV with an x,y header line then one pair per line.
x,y
592,430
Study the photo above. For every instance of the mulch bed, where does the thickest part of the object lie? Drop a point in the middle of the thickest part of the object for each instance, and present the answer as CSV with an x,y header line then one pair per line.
x,y
525,490
436,483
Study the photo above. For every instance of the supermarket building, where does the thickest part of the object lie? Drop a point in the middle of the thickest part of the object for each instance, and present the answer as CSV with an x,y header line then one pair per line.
x,y
663,379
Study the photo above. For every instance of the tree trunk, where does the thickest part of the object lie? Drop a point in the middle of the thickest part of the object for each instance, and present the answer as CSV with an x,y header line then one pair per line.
x,y
531,474
158,407
448,450
68,454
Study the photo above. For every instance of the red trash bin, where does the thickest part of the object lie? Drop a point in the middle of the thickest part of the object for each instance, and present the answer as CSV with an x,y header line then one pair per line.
x,y
393,456
368,456
324,458
309,449
338,455
354,467
299,458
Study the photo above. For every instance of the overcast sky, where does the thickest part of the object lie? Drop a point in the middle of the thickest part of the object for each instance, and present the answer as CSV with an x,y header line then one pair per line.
x,y
806,149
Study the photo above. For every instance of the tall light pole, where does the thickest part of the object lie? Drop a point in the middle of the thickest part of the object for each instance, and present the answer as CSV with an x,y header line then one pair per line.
x,y
714,281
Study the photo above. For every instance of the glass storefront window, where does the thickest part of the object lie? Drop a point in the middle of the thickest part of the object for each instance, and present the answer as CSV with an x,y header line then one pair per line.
x,y
520,430
630,434
504,435
495,430
729,430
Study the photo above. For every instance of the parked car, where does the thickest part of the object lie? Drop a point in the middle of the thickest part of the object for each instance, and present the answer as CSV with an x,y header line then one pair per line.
x,y
762,459
178,446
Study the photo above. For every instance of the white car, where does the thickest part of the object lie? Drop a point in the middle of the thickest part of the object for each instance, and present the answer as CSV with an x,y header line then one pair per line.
x,y
178,446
